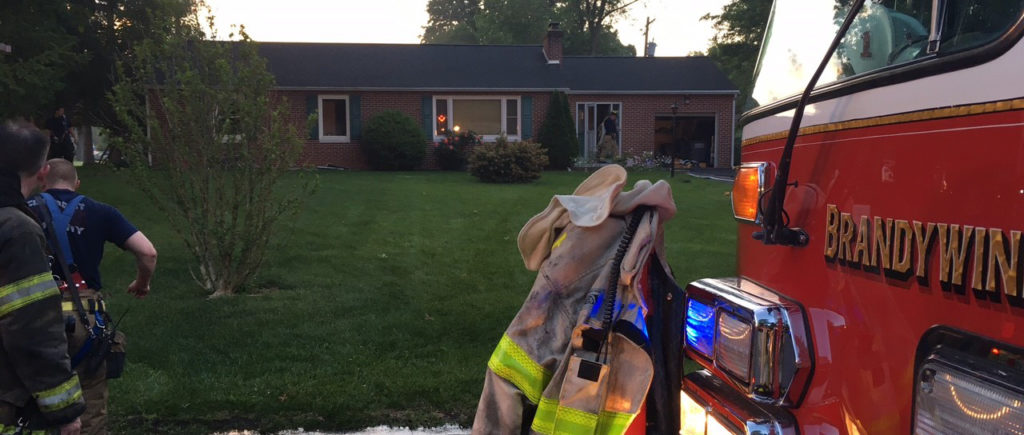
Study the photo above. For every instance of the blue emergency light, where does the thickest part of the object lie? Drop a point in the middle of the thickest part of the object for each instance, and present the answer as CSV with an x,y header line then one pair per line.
x,y
700,326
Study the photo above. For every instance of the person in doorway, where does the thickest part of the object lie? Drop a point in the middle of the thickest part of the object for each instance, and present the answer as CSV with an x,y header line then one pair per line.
x,y
608,146
38,390
62,143
87,225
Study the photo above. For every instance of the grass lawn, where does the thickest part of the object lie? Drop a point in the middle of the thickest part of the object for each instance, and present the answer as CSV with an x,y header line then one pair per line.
x,y
379,304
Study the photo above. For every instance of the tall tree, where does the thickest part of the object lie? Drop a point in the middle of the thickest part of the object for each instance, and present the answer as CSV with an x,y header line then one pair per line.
x,y
64,51
42,55
513,21
739,29
589,30
451,22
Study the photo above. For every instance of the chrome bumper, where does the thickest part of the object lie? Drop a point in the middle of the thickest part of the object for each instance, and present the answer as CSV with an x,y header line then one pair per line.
x,y
736,412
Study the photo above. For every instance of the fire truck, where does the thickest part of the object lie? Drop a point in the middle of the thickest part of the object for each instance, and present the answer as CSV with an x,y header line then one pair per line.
x,y
880,207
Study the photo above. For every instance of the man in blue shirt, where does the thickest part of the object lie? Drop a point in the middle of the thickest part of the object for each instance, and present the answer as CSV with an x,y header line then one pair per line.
x,y
89,226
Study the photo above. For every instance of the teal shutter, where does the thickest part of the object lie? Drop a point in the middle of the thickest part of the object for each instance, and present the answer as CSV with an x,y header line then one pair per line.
x,y
355,115
527,117
428,117
311,113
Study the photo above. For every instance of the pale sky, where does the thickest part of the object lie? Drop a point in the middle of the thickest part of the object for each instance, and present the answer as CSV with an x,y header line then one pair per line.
x,y
677,28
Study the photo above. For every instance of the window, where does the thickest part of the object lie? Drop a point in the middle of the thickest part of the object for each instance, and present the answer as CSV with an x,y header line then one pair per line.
x,y
884,35
486,116
333,118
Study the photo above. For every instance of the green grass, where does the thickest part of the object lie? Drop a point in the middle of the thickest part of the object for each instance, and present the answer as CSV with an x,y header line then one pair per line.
x,y
379,304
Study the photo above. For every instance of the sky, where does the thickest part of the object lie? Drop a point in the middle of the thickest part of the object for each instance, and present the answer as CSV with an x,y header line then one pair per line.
x,y
677,28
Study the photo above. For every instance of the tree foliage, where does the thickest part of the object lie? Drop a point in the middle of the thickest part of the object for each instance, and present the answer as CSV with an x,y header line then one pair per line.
x,y
64,52
220,145
588,23
557,133
739,29
451,22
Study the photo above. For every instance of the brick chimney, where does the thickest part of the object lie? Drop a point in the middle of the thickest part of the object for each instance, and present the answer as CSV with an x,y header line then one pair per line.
x,y
553,43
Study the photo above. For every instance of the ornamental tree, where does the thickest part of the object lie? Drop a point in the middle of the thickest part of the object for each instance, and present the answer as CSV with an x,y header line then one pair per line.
x,y
210,146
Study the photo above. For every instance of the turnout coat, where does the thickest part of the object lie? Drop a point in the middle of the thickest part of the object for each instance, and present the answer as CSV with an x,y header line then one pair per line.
x,y
601,323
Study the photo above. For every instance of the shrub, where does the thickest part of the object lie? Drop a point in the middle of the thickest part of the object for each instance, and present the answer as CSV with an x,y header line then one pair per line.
x,y
451,151
558,134
393,141
504,162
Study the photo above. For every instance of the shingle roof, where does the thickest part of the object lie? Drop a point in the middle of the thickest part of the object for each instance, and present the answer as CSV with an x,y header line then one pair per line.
x,y
696,73
492,67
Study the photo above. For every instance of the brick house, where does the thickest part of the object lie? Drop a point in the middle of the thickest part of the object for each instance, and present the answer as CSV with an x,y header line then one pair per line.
x,y
493,89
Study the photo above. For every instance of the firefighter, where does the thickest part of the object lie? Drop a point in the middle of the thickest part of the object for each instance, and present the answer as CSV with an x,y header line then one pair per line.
x,y
83,227
39,392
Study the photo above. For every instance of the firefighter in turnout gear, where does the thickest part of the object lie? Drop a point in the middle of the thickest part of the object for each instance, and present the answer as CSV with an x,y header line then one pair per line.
x,y
39,393
82,227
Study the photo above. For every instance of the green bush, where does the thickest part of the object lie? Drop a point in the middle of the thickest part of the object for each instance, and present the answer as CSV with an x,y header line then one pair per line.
x,y
451,151
558,134
393,141
504,162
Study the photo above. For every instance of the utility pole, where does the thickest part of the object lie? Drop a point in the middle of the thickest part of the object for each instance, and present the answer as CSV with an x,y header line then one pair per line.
x,y
647,29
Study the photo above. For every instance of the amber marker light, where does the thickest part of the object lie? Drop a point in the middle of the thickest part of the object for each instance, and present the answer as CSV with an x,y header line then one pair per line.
x,y
746,189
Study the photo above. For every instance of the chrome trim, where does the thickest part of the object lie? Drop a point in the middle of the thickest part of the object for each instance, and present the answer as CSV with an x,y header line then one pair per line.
x,y
732,408
781,361
761,169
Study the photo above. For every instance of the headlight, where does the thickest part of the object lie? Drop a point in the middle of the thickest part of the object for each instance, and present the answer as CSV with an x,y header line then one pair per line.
x,y
692,416
732,347
969,390
750,336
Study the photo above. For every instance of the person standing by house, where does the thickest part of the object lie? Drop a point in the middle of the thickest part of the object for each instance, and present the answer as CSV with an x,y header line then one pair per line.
x,y
609,145
87,225
62,143
38,389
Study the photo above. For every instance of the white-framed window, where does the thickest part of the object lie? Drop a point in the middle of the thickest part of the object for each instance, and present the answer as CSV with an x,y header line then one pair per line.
x,y
486,115
333,118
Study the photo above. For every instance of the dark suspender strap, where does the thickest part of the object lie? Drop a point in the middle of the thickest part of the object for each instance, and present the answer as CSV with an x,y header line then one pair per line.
x,y
61,219
76,298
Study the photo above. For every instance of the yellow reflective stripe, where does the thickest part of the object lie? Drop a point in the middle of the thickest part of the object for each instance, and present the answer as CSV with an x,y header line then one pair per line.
x,y
26,291
614,422
513,364
101,306
559,241
59,397
554,419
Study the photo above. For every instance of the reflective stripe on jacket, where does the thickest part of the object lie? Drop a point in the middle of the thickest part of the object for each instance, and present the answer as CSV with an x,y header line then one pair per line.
x,y
35,371
540,376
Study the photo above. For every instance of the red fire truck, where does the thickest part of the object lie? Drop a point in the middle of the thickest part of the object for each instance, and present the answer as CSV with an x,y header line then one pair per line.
x,y
880,207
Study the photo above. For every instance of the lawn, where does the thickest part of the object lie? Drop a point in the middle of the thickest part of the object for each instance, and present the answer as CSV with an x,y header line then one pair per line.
x,y
379,304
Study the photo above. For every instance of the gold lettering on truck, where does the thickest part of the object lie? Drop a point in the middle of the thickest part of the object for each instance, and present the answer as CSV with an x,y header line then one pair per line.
x,y
988,260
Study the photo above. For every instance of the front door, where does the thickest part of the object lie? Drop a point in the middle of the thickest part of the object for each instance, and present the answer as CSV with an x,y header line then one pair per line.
x,y
590,126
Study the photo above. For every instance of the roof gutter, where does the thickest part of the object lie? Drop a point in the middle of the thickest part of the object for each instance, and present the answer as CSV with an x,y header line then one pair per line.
x,y
566,90
413,89
650,92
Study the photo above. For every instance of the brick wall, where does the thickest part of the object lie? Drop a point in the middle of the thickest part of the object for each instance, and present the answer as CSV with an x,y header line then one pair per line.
x,y
349,155
638,112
